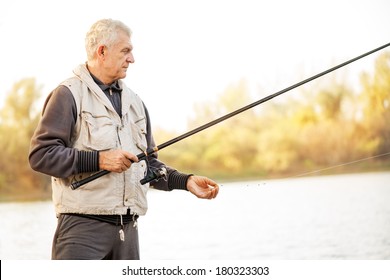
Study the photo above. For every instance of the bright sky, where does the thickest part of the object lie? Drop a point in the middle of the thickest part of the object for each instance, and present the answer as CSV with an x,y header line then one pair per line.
x,y
190,51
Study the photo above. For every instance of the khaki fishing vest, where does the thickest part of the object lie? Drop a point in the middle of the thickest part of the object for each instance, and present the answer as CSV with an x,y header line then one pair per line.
x,y
98,128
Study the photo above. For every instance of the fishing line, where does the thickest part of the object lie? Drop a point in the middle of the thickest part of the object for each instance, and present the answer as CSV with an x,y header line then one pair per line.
x,y
319,170
338,165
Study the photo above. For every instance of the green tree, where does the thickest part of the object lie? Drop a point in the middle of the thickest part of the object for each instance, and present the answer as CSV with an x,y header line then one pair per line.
x,y
375,99
18,120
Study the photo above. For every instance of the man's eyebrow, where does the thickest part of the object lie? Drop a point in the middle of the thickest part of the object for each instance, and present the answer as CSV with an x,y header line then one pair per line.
x,y
127,48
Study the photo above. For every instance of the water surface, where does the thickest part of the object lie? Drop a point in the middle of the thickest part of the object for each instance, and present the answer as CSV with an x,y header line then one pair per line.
x,y
327,217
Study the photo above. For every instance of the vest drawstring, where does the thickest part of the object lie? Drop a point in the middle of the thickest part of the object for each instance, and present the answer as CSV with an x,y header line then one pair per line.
x,y
135,221
121,232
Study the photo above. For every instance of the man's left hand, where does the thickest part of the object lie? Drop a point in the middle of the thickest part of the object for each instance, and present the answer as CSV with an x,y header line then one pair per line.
x,y
202,187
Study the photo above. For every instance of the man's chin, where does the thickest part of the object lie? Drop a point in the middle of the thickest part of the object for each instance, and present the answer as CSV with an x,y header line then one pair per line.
x,y
122,75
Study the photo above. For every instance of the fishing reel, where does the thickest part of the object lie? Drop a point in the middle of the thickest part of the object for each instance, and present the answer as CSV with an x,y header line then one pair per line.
x,y
154,174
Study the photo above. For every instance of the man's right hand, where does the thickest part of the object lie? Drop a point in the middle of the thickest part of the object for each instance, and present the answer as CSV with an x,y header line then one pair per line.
x,y
116,160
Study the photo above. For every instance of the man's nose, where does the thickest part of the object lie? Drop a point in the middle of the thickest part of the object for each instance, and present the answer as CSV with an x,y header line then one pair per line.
x,y
130,58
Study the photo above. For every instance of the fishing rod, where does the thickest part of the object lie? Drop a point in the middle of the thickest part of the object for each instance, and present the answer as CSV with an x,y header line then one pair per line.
x,y
159,173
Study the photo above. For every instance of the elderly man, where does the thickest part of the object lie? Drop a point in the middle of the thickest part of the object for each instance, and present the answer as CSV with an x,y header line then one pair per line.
x,y
93,122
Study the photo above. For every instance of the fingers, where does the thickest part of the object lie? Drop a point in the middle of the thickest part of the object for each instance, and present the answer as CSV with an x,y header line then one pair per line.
x,y
213,188
214,192
203,187
131,157
126,163
116,160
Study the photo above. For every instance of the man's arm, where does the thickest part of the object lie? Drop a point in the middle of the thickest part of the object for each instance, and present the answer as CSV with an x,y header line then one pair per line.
x,y
50,149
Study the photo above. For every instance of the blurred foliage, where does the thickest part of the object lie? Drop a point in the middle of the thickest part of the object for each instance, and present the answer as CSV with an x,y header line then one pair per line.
x,y
17,124
296,134
288,136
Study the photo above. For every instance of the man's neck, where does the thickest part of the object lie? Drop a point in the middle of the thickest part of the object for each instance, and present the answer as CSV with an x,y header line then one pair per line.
x,y
98,73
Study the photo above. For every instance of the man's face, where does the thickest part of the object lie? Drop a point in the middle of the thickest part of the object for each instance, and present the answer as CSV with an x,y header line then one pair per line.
x,y
118,57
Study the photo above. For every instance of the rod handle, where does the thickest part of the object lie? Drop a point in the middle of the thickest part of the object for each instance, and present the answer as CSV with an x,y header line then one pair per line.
x,y
76,185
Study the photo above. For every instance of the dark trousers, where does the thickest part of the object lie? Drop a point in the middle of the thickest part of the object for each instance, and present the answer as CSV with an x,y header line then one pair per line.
x,y
81,238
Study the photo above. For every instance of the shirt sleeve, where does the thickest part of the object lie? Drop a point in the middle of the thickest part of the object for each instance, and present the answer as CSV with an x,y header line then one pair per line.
x,y
51,152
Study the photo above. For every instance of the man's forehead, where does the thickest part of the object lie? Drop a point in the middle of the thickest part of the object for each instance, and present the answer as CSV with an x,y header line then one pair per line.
x,y
124,39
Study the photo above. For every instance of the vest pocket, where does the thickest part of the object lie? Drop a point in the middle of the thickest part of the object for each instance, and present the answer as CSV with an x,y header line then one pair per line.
x,y
138,130
99,132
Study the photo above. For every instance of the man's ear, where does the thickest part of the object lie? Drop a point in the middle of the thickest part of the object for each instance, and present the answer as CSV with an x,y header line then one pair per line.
x,y
101,50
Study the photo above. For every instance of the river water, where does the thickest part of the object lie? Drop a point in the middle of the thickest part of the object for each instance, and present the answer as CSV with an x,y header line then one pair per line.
x,y
313,218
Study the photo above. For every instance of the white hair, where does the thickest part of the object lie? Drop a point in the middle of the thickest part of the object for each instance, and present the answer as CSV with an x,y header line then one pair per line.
x,y
103,32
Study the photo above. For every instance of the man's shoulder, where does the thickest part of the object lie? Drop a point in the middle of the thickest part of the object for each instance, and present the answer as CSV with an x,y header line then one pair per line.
x,y
71,82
